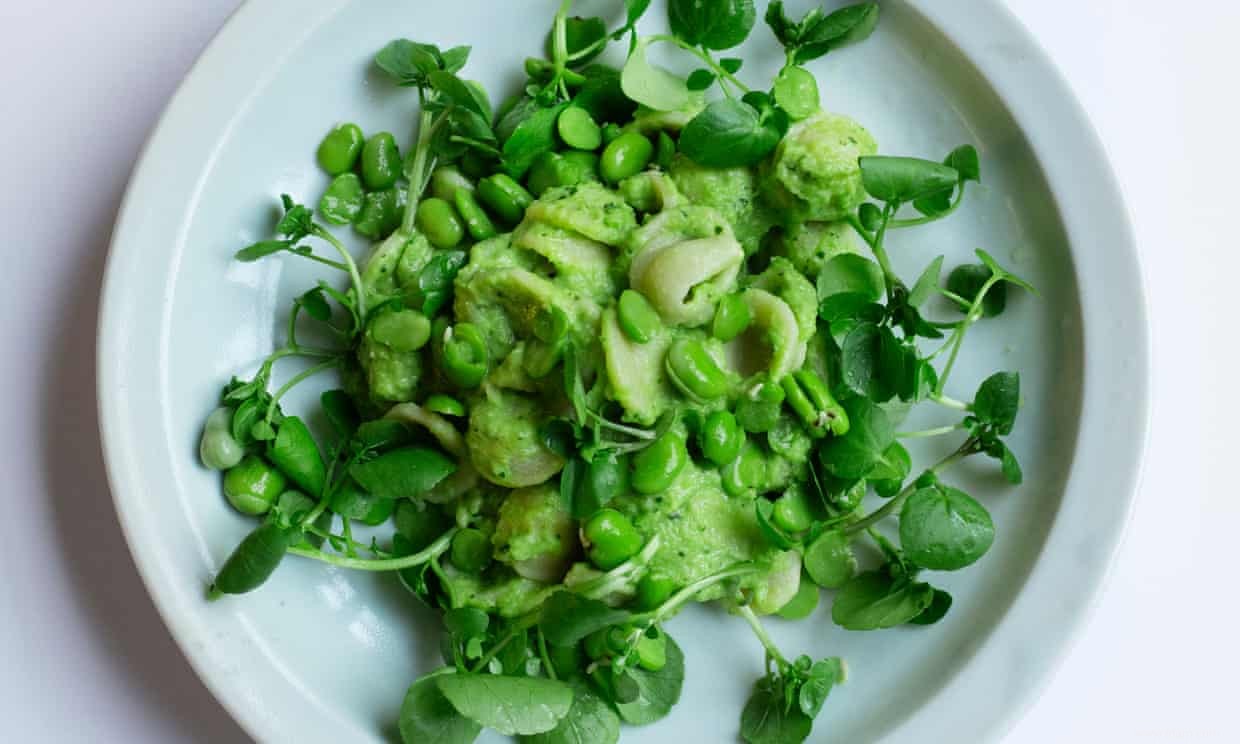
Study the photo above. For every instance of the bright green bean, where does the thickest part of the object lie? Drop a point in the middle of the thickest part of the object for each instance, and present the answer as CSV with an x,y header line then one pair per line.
x,y
721,437
438,221
477,222
665,150
252,486
339,150
381,164
610,538
655,467
732,318
505,197
637,317
343,200
471,551
445,405
447,180
381,214
627,155
465,356
578,129
693,370
401,330
217,448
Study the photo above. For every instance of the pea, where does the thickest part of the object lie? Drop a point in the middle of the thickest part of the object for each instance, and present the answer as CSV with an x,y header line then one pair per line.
x,y
796,91
617,639
652,651
803,604
447,180
792,511
578,129
653,590
695,371
217,448
627,155
252,486
744,474
254,560
380,162
401,330
732,317
611,132
656,467
611,539
721,437
637,318
665,150
758,409
585,163
471,550
445,405
339,149
342,202
506,198
465,357
438,221
381,213
476,220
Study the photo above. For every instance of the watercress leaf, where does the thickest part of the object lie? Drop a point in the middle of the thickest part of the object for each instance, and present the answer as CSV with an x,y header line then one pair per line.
x,y
295,453
938,608
455,91
829,560
848,25
454,59
823,676
729,133
512,114
380,434
1007,276
700,79
860,360
898,180
624,688
965,161
897,372
967,280
433,287
510,705
340,412
580,33
567,618
532,137
634,10
895,464
774,535
408,62
464,623
767,719
262,249
721,24
935,204
426,715
846,284
1011,467
244,418
997,401
786,32
408,472
873,600
658,692
944,529
925,285
590,721
572,481
651,85
315,305
602,95
731,65
856,453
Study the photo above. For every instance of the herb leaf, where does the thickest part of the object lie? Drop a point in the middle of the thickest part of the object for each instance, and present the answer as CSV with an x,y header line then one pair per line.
x,y
944,529
426,715
829,560
721,24
767,719
898,180
510,705
408,472
657,692
531,138
874,600
938,608
846,284
997,401
589,721
856,453
651,85
567,618
730,133
823,676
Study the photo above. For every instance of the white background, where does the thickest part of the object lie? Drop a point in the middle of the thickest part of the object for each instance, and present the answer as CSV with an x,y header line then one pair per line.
x,y
83,656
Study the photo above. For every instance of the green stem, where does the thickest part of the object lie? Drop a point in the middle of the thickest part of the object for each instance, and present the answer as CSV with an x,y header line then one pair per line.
x,y
294,381
764,638
432,551
522,626
925,219
354,275
898,500
948,402
324,261
957,337
707,60
545,656
924,433
328,535
416,175
683,596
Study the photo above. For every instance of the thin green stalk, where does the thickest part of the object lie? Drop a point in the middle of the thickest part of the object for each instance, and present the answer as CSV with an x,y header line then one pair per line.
x,y
545,656
354,275
948,402
434,550
417,170
522,626
772,651
329,535
898,500
957,337
683,596
295,380
924,433
707,60
927,218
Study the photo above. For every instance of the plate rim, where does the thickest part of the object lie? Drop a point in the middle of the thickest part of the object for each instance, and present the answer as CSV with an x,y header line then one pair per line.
x,y
1091,170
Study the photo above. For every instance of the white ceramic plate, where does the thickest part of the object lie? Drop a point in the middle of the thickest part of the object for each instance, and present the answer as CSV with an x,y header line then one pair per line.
x,y
324,655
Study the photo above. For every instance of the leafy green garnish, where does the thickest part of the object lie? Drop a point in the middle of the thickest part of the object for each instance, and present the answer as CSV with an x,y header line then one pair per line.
x,y
510,705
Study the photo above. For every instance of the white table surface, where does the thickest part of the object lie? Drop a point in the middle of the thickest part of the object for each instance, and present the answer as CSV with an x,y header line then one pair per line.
x,y
84,657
